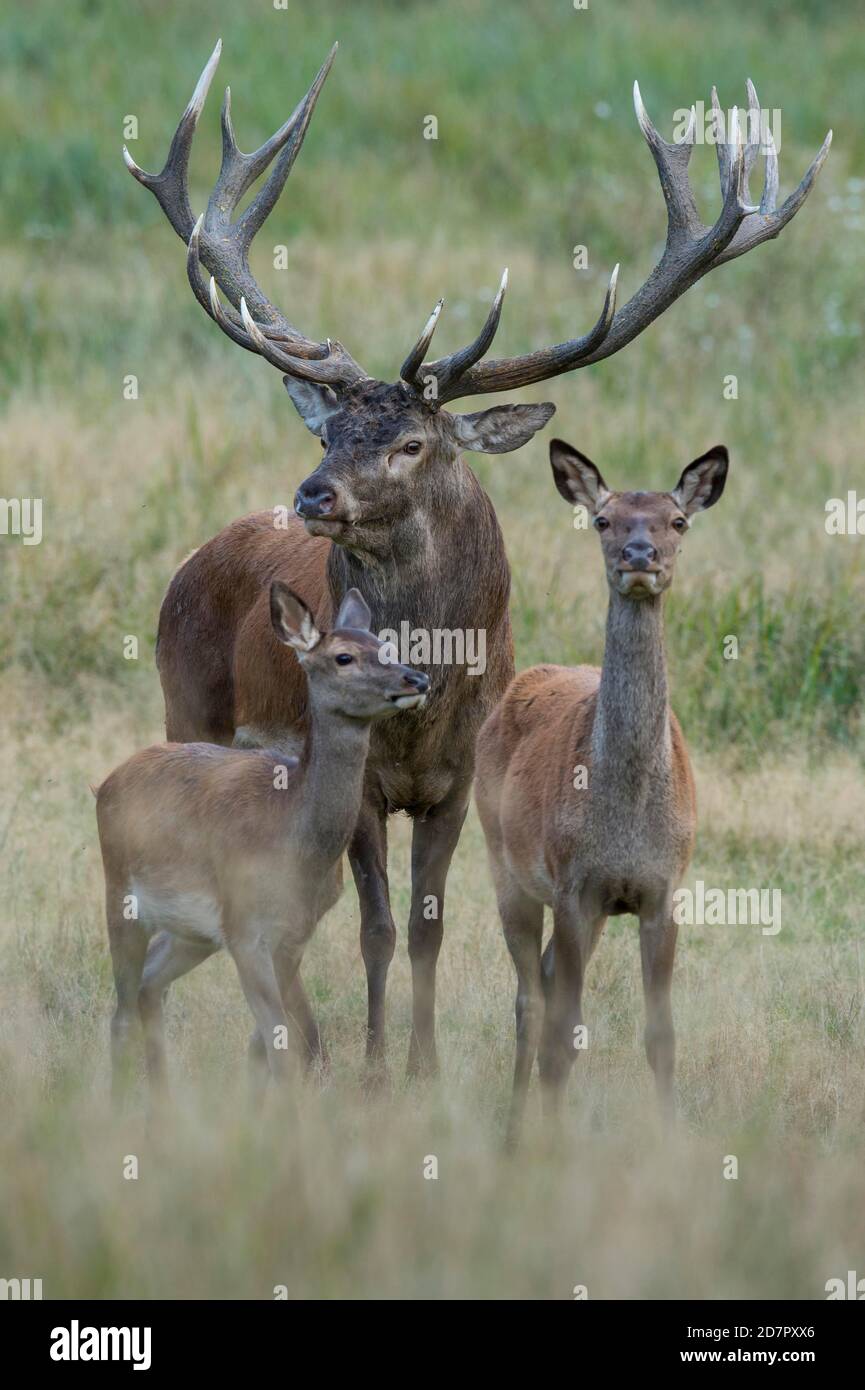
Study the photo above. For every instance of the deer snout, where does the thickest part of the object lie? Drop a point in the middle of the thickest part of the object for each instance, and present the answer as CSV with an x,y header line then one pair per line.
x,y
415,680
314,498
639,554
413,688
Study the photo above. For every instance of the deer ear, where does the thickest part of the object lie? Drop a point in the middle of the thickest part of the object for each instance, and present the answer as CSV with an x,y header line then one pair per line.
x,y
292,620
354,612
503,428
577,478
314,403
703,481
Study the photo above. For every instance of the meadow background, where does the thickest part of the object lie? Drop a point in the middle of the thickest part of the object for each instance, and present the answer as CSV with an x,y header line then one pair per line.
x,y
538,151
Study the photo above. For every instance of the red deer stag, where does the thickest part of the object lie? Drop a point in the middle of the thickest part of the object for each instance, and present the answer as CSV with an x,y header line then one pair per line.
x,y
617,837
223,847
392,508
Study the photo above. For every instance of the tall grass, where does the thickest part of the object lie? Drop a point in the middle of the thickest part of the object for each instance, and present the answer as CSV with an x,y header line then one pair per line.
x,y
538,151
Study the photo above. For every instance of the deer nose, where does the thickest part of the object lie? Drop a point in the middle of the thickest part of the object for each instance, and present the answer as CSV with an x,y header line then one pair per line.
x,y
639,554
417,680
314,498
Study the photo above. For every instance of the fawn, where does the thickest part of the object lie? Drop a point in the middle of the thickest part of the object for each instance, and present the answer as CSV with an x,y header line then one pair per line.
x,y
205,846
618,838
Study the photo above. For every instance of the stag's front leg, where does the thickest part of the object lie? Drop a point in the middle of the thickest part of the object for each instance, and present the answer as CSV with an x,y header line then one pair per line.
x,y
658,933
368,856
434,840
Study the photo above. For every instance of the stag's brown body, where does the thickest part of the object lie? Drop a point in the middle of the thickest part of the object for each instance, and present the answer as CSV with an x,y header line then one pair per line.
x,y
217,604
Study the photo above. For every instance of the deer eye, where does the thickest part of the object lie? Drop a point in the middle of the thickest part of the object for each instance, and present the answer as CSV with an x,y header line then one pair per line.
x,y
412,446
343,659
680,523
601,523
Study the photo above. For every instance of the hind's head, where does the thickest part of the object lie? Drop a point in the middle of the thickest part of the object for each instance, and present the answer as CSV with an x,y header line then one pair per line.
x,y
641,532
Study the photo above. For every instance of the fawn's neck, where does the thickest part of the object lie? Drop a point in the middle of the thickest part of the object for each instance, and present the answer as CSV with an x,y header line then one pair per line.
x,y
333,762
631,746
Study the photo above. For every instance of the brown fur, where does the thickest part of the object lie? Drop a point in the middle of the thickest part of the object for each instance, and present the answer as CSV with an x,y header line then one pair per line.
x,y
584,786
218,846
419,537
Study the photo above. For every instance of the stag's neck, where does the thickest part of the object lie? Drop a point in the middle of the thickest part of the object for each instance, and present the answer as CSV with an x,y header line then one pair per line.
x,y
442,565
333,764
631,747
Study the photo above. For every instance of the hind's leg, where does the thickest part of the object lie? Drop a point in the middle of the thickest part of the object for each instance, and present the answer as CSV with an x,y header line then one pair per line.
x,y
523,925
657,952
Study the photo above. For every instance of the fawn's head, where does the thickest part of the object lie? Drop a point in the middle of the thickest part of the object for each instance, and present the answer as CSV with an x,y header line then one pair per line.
x,y
344,668
641,532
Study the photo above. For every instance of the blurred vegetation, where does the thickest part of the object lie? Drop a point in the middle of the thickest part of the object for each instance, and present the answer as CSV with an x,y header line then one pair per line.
x,y
537,151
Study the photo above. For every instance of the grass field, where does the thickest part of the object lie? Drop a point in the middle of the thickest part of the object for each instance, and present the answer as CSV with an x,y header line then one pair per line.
x,y
538,151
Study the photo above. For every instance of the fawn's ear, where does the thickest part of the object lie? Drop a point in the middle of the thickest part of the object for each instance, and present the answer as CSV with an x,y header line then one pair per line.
x,y
703,481
576,477
314,403
354,612
292,620
502,428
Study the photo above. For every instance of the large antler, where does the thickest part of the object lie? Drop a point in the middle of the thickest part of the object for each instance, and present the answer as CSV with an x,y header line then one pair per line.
x,y
691,250
222,245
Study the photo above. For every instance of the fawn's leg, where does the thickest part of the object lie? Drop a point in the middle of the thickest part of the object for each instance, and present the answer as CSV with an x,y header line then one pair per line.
x,y
305,1029
255,966
128,944
168,958
658,934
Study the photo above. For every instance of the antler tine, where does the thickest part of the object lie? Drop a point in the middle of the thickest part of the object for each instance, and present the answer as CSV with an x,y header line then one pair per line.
x,y
409,369
449,371
169,186
691,249
222,246
672,162
770,182
765,222
207,297
754,136
338,368
510,372
209,300
291,136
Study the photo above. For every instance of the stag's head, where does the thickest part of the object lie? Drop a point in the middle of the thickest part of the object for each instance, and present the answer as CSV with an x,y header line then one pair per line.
x,y
640,532
390,447
386,451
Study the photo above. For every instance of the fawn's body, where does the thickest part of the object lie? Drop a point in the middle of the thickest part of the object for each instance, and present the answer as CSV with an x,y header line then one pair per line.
x,y
585,791
207,847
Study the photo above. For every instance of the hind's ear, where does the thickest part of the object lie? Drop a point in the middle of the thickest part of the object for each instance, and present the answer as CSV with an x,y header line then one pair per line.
x,y
702,482
577,478
292,621
313,402
502,428
354,612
